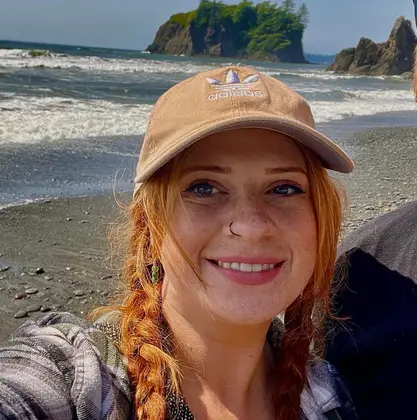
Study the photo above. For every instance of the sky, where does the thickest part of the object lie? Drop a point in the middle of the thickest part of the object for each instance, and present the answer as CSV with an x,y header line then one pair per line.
x,y
132,24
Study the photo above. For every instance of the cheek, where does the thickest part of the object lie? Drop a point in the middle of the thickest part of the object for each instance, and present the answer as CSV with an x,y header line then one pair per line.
x,y
192,229
301,233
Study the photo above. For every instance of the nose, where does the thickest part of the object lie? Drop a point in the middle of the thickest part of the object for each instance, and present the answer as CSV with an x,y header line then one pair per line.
x,y
249,220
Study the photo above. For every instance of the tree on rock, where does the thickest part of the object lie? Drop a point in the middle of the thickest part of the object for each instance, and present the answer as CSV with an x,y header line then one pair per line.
x,y
289,5
303,14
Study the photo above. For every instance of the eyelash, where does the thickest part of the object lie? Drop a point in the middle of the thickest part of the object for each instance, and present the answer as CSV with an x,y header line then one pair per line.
x,y
297,189
196,184
289,185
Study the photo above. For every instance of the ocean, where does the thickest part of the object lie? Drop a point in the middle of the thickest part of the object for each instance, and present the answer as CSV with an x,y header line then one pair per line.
x,y
83,103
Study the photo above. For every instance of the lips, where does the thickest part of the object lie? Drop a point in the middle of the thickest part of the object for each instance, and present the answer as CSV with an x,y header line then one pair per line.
x,y
248,271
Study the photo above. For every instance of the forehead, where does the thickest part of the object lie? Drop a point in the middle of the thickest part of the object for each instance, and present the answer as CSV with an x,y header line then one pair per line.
x,y
246,147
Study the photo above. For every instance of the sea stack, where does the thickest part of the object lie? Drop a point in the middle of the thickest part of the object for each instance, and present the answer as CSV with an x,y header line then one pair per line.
x,y
393,57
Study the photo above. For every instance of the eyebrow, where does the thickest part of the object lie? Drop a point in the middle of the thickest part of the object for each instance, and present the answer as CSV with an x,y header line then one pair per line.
x,y
283,169
228,170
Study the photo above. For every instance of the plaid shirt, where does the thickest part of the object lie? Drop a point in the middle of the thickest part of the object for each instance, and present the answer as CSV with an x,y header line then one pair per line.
x,y
61,367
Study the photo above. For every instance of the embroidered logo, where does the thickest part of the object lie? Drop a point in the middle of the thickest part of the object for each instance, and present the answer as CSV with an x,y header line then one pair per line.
x,y
234,86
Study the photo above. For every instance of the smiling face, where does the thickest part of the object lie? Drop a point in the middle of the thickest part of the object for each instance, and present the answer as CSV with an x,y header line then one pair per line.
x,y
255,268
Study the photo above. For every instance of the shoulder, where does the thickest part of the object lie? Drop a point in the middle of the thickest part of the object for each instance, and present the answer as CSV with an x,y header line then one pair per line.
x,y
387,242
326,395
67,365
385,228
71,334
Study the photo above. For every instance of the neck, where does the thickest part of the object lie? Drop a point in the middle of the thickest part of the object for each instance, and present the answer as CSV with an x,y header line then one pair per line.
x,y
226,360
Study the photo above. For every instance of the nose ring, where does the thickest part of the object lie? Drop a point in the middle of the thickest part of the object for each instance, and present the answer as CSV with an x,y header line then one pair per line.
x,y
231,231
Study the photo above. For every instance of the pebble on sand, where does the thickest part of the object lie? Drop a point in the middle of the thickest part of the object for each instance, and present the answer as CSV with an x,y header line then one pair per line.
x,y
20,295
21,314
3,269
79,293
34,308
31,291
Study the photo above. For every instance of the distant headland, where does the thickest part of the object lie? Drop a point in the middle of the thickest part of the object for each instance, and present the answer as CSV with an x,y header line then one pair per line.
x,y
264,31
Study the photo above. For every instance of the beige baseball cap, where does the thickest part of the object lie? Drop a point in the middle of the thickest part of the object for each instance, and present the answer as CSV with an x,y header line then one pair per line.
x,y
230,98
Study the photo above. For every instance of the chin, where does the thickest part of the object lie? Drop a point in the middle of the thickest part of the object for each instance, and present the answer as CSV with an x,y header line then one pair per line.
x,y
242,317
247,310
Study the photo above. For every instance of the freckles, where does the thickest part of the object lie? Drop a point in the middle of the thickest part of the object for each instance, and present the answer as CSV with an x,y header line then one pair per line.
x,y
191,223
300,228
297,219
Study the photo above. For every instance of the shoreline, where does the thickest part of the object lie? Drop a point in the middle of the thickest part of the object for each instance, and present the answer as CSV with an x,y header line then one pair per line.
x,y
54,253
97,166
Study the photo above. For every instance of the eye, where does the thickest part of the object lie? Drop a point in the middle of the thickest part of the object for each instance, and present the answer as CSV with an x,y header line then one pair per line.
x,y
202,189
287,190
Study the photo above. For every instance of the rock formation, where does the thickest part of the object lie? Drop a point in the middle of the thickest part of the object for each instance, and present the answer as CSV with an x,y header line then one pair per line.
x,y
393,57
230,34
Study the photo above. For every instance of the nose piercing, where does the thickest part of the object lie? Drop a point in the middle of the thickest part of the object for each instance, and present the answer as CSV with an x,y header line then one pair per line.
x,y
231,231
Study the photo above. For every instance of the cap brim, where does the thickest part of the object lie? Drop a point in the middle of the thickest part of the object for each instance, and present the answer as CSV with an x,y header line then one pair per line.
x,y
330,154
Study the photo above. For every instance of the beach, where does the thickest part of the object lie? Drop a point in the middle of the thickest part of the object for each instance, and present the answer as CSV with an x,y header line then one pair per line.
x,y
72,123
54,254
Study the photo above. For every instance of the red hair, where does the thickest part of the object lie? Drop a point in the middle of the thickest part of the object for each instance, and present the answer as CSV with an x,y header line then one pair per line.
x,y
145,337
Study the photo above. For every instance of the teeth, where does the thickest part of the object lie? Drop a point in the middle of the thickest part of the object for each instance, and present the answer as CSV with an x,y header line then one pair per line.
x,y
246,268
256,267
235,266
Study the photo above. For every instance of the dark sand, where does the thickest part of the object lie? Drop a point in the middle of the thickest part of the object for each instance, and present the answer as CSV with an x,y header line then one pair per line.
x,y
67,239
74,253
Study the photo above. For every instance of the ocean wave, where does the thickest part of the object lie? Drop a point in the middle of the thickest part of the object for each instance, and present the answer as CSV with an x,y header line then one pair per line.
x,y
21,202
33,119
340,95
363,104
319,75
23,59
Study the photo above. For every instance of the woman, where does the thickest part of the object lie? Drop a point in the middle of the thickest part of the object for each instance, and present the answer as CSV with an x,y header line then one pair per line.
x,y
234,221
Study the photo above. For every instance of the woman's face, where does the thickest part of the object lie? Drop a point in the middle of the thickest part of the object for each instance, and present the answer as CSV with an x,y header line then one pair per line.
x,y
256,180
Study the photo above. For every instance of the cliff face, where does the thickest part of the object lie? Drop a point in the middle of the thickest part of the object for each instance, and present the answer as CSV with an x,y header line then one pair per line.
x,y
393,57
219,41
172,38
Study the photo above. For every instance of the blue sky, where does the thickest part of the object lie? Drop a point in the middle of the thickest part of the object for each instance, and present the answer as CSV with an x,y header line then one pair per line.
x,y
334,24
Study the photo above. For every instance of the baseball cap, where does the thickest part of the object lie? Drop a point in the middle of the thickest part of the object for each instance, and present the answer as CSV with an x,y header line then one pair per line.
x,y
230,98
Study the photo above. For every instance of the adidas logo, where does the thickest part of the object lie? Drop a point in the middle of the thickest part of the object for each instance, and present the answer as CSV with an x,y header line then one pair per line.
x,y
233,86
